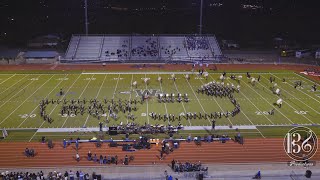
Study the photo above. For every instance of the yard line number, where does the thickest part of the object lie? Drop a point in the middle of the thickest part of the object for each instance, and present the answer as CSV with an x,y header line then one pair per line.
x,y
262,113
63,79
301,112
27,115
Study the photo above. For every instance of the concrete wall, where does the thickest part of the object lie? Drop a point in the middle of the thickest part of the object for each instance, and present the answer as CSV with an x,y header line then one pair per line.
x,y
11,61
41,61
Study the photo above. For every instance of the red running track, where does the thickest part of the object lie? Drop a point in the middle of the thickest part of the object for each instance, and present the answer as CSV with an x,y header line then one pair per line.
x,y
253,151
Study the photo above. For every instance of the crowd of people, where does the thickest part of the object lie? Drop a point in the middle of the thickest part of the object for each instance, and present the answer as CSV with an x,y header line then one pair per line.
x,y
150,49
178,166
170,51
71,175
197,42
29,152
120,53
108,159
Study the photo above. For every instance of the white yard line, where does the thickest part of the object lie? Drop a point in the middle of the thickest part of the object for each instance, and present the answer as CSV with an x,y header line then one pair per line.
x,y
85,123
101,86
165,105
56,105
79,98
130,94
287,103
216,103
300,91
114,92
145,76
26,100
44,98
7,79
115,89
18,92
266,101
185,111
13,84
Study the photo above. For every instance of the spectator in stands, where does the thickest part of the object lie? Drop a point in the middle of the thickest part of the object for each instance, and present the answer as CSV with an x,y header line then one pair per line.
x,y
71,175
36,176
86,176
81,176
94,176
66,174
77,174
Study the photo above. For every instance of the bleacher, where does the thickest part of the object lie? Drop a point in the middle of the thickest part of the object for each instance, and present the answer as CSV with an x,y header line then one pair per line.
x,y
115,48
145,48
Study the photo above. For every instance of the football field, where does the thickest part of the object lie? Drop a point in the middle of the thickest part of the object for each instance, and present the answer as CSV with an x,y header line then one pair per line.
x,y
21,94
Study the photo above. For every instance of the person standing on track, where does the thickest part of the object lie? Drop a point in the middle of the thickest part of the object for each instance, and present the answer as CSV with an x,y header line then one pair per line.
x,y
77,144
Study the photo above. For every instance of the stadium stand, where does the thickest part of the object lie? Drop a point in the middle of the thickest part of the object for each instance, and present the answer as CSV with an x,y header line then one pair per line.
x,y
115,48
146,48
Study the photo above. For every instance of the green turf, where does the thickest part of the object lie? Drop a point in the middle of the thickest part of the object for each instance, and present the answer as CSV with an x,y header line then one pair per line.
x,y
268,132
20,95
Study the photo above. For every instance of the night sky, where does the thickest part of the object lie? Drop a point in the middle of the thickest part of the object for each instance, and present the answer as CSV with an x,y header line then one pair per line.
x,y
242,20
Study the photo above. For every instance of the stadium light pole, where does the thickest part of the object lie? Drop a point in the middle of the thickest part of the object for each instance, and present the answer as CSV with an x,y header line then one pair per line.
x,y
200,26
86,16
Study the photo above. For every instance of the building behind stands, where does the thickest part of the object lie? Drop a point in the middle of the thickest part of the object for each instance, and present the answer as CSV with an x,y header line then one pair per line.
x,y
40,57
144,48
10,56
